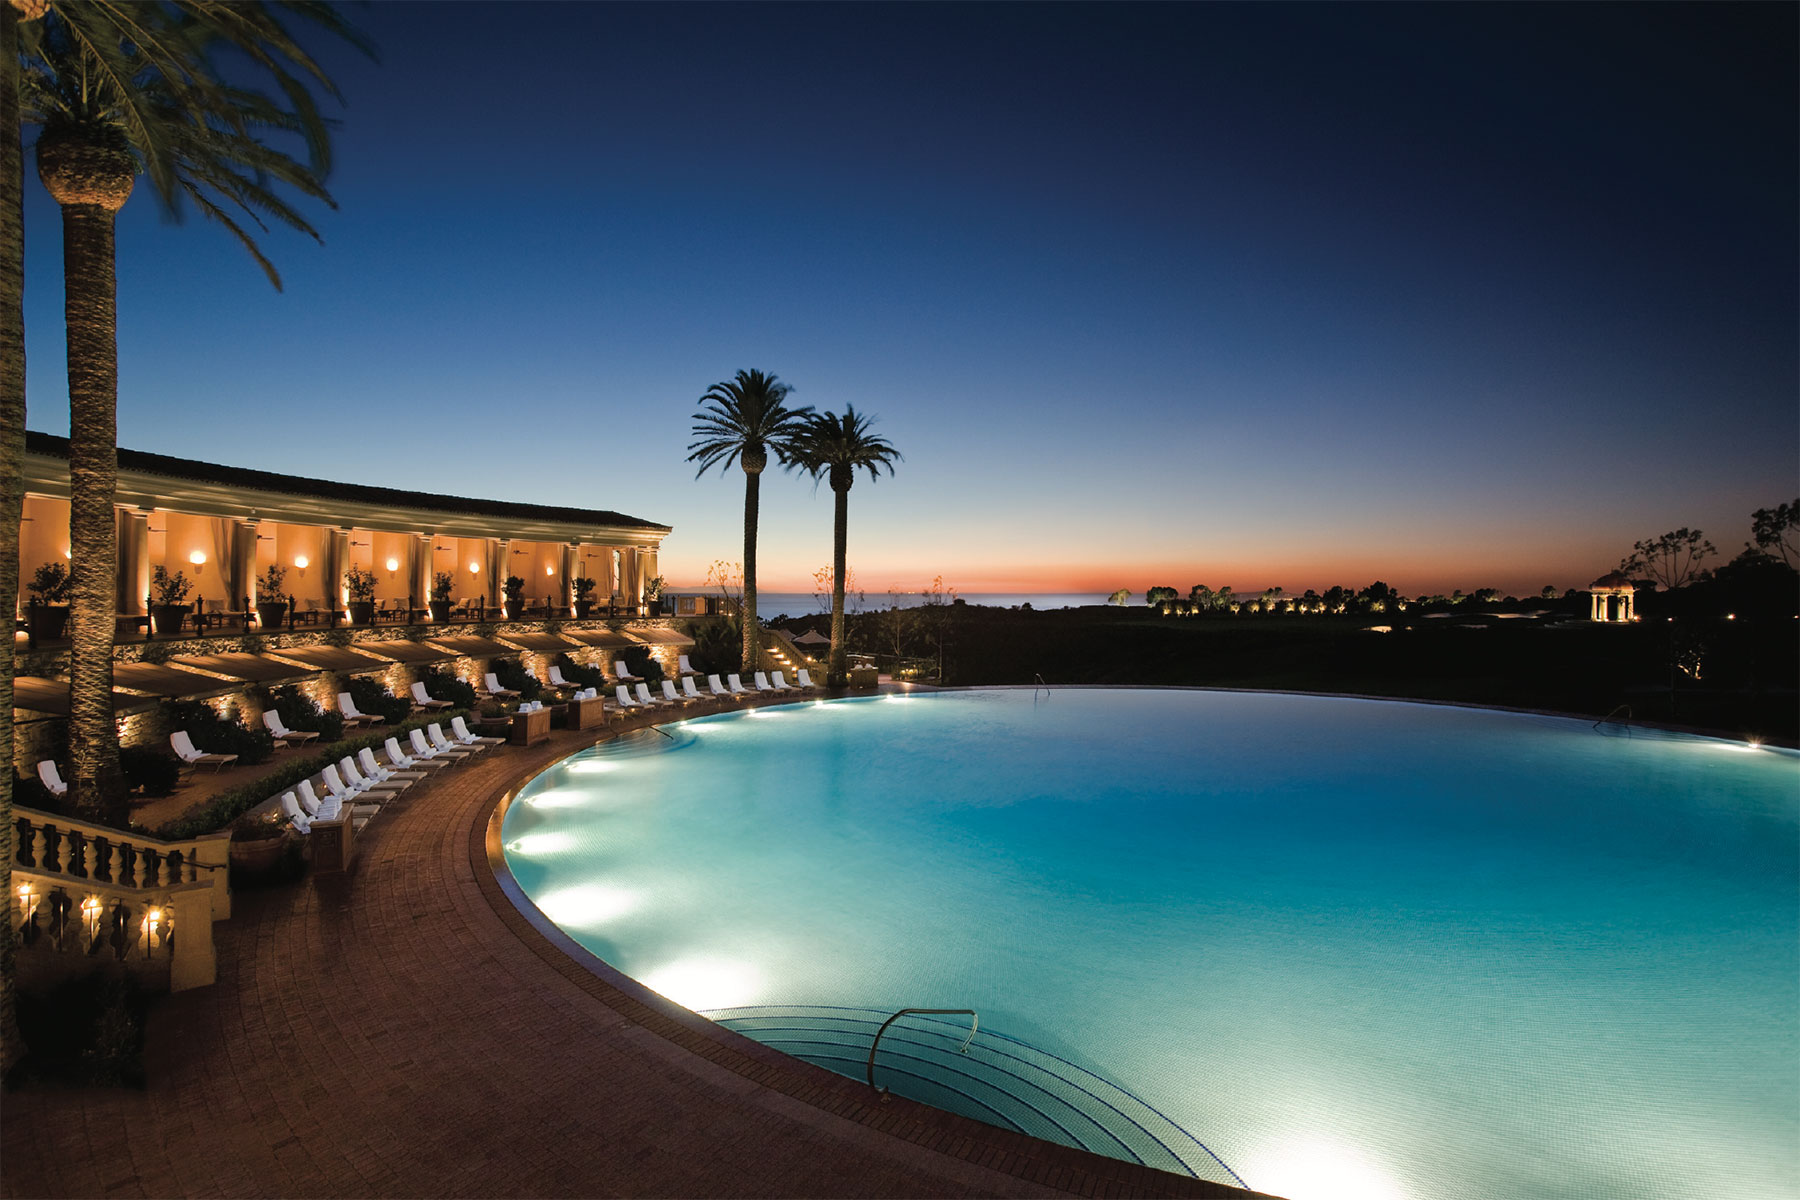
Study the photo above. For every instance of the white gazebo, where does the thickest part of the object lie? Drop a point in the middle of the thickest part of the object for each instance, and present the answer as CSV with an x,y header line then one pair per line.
x,y
1612,598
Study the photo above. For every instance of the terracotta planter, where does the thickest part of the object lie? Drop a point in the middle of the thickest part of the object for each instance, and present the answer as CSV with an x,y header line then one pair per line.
x,y
362,612
46,621
440,611
583,608
257,859
271,616
168,617
514,609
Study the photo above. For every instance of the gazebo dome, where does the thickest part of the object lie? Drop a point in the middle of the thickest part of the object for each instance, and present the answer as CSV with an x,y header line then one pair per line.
x,y
1613,581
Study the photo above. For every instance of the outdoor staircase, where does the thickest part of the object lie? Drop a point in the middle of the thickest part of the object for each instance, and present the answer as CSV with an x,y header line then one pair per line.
x,y
780,654
998,1080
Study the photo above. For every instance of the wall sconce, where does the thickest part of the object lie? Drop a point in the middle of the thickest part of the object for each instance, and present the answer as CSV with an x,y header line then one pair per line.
x,y
153,921
198,559
28,902
474,568
393,564
301,562
90,917
549,570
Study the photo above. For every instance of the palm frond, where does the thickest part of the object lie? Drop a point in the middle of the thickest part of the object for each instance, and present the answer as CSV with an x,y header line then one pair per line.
x,y
745,414
832,443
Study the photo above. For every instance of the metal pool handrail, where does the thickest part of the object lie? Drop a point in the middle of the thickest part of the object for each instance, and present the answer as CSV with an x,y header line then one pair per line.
x,y
974,1025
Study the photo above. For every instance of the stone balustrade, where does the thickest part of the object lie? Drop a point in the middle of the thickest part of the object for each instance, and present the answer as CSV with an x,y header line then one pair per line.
x,y
86,889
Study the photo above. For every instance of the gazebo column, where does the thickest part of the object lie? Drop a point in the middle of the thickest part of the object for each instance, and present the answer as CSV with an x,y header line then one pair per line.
x,y
1594,602
1630,607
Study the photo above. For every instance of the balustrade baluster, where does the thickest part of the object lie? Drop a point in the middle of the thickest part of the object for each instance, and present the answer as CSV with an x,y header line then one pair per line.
x,y
91,847
119,863
40,848
22,843
151,861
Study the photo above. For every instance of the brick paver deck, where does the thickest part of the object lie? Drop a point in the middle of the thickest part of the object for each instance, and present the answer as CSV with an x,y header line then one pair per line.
x,y
401,1030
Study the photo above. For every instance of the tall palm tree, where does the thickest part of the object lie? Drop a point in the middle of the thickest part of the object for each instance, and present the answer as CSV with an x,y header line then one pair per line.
x,y
114,103
833,447
744,420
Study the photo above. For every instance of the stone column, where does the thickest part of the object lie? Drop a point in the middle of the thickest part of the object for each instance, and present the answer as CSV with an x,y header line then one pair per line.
x,y
243,562
1630,607
337,561
571,555
1594,606
134,560
499,567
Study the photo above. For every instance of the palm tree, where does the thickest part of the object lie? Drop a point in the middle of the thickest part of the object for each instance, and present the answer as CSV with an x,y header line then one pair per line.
x,y
833,447
113,103
742,421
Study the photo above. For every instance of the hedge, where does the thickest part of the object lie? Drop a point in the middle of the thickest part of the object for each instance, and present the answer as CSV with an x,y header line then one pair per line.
x,y
233,803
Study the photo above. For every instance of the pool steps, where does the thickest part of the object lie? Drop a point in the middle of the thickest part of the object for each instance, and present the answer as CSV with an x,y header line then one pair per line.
x,y
998,1080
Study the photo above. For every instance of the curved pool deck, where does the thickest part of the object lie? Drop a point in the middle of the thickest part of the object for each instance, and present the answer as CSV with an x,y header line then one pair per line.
x,y
363,1040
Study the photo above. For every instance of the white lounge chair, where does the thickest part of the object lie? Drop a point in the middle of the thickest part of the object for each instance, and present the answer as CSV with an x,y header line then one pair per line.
x,y
283,735
623,675
646,699
557,680
626,703
400,760
805,680
716,688
424,749
762,682
688,690
51,779
686,668
440,741
184,750
370,785
781,683
290,808
347,707
422,698
337,788
737,686
671,696
365,759
331,808
459,732
493,686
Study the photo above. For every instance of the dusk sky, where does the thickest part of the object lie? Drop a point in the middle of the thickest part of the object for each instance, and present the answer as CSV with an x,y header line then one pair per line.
x,y
1449,296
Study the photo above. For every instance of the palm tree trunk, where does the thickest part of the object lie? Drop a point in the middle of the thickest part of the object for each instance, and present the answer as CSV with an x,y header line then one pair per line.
x,y
836,675
12,482
752,631
89,307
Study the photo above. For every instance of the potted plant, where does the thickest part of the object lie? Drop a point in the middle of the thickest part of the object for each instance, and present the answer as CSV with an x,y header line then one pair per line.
x,y
359,582
653,589
168,599
271,601
514,589
258,841
492,714
441,583
49,610
584,596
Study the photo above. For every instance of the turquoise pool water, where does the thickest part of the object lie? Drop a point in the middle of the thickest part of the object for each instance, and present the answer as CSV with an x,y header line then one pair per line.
x,y
1358,948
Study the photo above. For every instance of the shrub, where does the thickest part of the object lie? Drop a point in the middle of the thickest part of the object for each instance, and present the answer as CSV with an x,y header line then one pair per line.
x,y
214,734
233,803
512,675
441,685
374,699
580,676
149,771
718,646
359,582
298,712
442,582
269,584
87,1031
640,662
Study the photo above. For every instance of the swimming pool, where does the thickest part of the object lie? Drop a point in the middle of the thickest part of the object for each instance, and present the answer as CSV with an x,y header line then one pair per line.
x,y
1357,948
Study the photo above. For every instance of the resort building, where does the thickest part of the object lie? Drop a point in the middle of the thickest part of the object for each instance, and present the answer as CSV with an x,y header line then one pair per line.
x,y
223,528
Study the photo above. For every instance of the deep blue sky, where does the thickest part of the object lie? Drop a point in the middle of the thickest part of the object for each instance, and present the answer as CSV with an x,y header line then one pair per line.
x,y
1261,295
